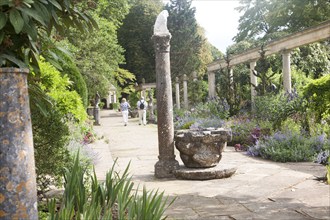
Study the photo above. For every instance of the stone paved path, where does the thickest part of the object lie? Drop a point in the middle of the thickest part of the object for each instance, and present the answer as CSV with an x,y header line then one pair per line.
x,y
259,190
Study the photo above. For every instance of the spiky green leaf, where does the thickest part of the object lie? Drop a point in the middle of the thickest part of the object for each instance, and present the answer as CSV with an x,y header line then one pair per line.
x,y
14,60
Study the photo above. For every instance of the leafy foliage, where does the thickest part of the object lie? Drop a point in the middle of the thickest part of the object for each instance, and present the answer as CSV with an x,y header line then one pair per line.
x,y
67,102
135,37
197,91
97,55
78,84
318,94
186,41
111,199
277,108
50,122
262,18
23,23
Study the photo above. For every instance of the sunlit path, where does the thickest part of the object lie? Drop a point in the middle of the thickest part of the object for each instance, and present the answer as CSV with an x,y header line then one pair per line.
x,y
259,190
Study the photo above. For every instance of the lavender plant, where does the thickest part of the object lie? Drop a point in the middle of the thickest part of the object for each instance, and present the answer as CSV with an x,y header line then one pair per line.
x,y
203,115
289,147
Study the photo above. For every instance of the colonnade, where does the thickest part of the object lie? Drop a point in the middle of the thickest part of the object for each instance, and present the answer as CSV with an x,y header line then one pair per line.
x,y
283,46
286,69
185,92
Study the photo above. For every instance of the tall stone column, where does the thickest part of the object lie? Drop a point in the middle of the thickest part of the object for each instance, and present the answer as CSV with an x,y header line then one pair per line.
x,y
253,80
177,92
185,92
143,91
286,70
211,80
194,74
166,164
18,194
108,100
231,82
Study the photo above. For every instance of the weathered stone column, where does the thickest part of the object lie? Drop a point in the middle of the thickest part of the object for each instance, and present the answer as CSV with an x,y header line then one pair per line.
x,y
151,118
114,97
18,194
143,91
185,92
194,74
108,100
286,70
177,92
211,80
253,80
167,164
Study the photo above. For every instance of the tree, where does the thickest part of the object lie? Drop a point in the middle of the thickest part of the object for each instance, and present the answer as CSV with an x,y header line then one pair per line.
x,y
186,42
135,37
263,21
97,55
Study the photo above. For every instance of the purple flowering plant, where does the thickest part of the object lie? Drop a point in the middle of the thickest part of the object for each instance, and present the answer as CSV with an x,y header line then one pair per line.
x,y
291,147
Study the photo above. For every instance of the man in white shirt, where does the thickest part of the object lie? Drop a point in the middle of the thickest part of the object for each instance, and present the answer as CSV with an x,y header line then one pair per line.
x,y
142,106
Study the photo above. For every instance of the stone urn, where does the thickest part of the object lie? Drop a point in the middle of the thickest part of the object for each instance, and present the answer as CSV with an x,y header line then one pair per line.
x,y
201,148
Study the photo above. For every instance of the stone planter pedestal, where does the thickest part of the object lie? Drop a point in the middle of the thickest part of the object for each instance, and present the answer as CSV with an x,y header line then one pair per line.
x,y
201,152
201,149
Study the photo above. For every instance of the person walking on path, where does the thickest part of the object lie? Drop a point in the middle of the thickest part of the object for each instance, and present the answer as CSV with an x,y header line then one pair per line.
x,y
124,106
142,106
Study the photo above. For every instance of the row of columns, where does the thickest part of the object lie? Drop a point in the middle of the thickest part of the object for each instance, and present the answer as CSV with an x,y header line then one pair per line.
x,y
185,92
253,77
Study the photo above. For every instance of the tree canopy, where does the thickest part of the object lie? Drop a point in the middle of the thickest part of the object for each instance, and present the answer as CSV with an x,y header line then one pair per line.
x,y
135,37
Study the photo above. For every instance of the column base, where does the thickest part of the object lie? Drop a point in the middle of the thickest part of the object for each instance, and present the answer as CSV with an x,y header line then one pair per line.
x,y
97,116
166,168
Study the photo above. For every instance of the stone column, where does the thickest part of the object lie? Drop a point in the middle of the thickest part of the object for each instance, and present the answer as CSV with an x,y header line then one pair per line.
x,y
166,164
177,92
211,80
143,91
114,97
231,82
253,80
286,70
151,118
108,100
18,194
185,92
194,74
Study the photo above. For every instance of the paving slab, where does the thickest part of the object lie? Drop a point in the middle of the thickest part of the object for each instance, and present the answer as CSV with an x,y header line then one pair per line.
x,y
259,189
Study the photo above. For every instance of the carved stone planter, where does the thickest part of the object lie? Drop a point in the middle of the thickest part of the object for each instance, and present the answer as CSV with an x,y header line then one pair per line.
x,y
201,148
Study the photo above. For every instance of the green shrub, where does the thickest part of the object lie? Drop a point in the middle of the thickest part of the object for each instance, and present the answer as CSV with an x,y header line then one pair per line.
x,y
50,136
243,129
55,111
277,108
68,102
318,94
70,69
111,199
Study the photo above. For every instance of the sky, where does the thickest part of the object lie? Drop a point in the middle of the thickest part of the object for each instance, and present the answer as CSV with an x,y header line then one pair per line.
x,y
219,19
